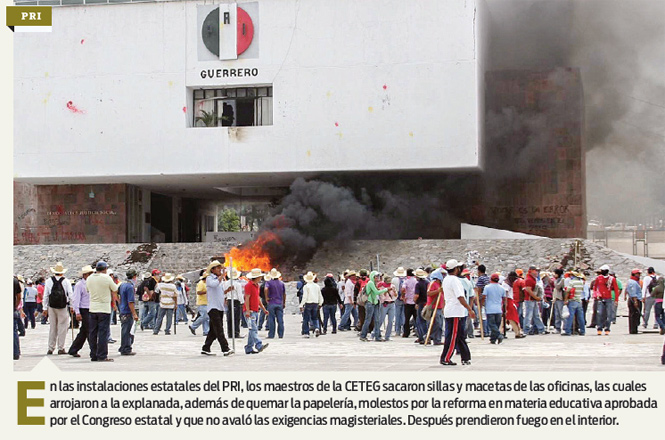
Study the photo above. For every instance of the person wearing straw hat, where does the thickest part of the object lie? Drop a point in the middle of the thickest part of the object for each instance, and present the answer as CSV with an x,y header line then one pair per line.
x,y
168,295
216,308
202,306
420,298
276,299
57,297
573,300
349,303
81,306
102,291
235,298
455,311
312,299
182,288
251,310
400,276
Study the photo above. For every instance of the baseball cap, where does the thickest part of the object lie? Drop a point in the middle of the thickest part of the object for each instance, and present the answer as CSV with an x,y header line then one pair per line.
x,y
635,272
101,265
494,277
156,272
131,273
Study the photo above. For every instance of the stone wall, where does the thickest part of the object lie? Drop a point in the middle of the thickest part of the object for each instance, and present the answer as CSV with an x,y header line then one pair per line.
x,y
59,214
497,255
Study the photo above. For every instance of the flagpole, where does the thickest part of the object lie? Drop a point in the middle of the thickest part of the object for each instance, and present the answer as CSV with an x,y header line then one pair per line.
x,y
233,306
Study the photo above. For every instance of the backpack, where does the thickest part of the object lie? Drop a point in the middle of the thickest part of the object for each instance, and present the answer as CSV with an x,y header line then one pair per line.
x,y
362,297
652,283
57,298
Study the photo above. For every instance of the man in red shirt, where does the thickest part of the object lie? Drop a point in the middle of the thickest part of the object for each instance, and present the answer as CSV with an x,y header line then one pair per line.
x,y
251,308
603,287
518,295
531,300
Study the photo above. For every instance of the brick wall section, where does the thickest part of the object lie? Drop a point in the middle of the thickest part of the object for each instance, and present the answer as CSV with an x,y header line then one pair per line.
x,y
60,214
546,196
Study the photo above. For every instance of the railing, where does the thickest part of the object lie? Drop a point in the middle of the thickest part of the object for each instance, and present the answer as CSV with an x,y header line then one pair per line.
x,y
649,243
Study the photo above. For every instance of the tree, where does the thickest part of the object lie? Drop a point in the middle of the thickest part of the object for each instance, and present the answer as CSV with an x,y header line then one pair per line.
x,y
229,221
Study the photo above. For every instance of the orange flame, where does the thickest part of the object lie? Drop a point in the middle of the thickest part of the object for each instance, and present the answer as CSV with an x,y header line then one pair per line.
x,y
253,254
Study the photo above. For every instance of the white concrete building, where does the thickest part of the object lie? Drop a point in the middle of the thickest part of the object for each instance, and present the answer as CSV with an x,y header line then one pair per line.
x,y
337,82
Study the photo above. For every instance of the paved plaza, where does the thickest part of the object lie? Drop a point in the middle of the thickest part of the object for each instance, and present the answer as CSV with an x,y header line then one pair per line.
x,y
344,352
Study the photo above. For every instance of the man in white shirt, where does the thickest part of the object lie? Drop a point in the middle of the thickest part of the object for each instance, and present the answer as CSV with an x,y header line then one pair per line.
x,y
455,312
349,303
309,306
235,297
57,297
648,284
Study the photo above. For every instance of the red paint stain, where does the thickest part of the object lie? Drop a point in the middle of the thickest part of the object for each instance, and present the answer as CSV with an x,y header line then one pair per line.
x,y
83,41
336,124
184,109
73,108
385,87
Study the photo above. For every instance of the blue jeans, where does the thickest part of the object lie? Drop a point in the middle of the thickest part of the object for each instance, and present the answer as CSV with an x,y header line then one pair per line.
x,y
17,345
329,312
100,327
558,309
253,340
126,338
29,310
604,313
372,312
575,309
494,321
390,311
149,314
437,328
659,314
160,317
345,322
520,312
262,317
399,319
421,324
181,313
203,319
310,313
532,315
275,312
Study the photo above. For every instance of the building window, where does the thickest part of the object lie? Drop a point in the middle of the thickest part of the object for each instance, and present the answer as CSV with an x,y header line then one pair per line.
x,y
233,107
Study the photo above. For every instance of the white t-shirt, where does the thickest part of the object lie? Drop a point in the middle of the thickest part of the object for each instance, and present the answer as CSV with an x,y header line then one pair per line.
x,y
508,289
452,290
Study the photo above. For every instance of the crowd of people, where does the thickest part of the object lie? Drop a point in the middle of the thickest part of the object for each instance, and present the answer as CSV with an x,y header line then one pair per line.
x,y
440,306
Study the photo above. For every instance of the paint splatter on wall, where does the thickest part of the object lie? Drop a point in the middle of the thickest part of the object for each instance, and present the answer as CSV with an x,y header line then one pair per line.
x,y
385,87
370,109
72,108
336,124
83,41
184,109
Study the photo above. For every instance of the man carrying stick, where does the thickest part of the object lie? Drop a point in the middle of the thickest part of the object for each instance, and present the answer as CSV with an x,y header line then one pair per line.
x,y
435,301
455,311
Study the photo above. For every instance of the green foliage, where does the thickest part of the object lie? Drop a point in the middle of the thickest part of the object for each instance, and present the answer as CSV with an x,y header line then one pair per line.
x,y
229,221
209,119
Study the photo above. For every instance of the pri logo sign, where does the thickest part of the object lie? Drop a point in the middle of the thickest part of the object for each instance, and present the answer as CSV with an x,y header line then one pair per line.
x,y
228,31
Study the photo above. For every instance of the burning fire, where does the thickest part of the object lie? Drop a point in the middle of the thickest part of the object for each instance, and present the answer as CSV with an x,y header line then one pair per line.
x,y
253,254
